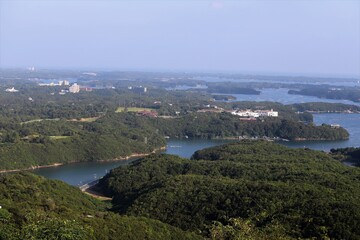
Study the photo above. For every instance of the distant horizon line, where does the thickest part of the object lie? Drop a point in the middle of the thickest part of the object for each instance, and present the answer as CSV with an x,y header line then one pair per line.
x,y
254,73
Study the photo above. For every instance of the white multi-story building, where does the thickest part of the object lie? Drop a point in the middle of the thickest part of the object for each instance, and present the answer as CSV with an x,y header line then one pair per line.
x,y
268,113
255,114
245,113
74,88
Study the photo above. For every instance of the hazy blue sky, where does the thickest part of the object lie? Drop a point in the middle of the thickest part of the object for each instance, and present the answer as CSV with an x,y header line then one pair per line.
x,y
308,37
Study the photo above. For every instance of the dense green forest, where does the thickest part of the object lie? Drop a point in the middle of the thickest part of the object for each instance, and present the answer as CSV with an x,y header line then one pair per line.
x,y
325,107
223,125
60,141
117,135
244,190
350,155
35,208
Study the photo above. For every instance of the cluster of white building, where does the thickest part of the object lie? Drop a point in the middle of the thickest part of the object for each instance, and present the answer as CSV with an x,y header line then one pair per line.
x,y
75,88
256,113
59,83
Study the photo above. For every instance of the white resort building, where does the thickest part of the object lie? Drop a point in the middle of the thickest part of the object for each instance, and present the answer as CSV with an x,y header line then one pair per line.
x,y
256,113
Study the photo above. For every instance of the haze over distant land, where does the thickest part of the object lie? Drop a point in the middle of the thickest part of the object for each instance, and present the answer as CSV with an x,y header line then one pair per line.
x,y
319,38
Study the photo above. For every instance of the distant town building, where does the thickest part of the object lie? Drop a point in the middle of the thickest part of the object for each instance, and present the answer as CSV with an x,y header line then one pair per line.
x,y
66,83
74,88
245,113
12,90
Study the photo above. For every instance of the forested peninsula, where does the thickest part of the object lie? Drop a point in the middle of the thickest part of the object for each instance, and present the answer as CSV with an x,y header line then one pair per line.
x,y
352,94
244,190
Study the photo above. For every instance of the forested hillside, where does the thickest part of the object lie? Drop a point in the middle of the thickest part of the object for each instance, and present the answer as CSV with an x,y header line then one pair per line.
x,y
35,208
60,141
250,190
117,135
210,125
349,155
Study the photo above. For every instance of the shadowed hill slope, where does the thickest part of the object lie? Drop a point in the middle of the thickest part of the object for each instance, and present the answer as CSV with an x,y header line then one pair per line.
x,y
273,191
35,208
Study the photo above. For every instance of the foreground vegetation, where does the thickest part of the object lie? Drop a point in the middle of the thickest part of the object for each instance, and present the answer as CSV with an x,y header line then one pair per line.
x,y
35,208
250,190
243,190
348,155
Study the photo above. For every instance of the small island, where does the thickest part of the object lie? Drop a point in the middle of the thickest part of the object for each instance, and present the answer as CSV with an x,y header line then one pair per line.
x,y
220,97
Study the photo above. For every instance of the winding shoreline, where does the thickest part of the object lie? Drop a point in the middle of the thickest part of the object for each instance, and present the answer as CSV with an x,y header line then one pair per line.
x,y
133,155
32,168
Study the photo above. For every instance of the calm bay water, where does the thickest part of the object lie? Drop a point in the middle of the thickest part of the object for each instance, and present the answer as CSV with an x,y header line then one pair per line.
x,y
186,147
281,95
78,174
313,81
